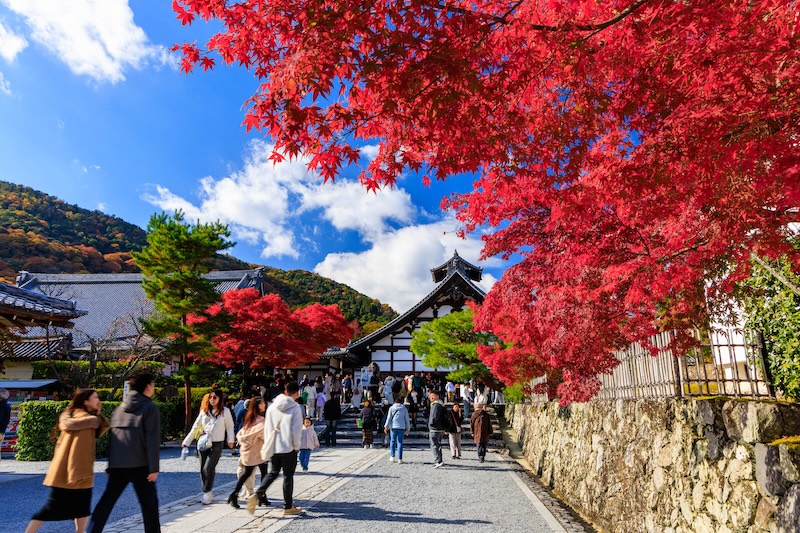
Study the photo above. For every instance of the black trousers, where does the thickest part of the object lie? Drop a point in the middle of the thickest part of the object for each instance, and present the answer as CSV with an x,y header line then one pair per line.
x,y
288,463
330,435
208,465
118,479
246,474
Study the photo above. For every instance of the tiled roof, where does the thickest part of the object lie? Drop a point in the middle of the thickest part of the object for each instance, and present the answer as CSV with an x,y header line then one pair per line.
x,y
455,278
31,349
341,353
28,305
116,301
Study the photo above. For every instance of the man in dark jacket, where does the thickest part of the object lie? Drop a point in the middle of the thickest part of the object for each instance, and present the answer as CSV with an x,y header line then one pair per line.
x,y
437,425
133,455
332,412
5,414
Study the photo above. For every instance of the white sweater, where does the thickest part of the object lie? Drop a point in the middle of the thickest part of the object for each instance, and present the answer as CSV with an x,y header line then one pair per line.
x,y
217,427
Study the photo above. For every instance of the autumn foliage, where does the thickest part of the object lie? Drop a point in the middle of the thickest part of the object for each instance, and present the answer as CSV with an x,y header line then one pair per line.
x,y
263,332
632,154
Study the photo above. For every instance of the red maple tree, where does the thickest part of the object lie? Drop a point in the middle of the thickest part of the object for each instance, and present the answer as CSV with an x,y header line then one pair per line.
x,y
632,153
263,332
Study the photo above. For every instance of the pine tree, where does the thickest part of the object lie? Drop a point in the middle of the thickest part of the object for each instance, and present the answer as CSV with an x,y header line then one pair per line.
x,y
451,341
174,261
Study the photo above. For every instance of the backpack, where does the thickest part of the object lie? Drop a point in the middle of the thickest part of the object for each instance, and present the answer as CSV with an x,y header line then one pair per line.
x,y
369,416
396,386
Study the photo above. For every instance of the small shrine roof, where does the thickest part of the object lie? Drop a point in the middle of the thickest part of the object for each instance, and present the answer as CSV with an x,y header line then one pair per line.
x,y
456,262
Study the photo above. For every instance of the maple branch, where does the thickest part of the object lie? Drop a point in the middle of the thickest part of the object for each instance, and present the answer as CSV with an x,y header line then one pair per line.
x,y
780,277
503,19
682,251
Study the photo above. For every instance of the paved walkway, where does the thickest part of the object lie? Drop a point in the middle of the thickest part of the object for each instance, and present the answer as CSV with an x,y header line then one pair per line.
x,y
352,489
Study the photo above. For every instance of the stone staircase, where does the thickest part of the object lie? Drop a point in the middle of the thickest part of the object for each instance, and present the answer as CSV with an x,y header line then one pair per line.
x,y
349,434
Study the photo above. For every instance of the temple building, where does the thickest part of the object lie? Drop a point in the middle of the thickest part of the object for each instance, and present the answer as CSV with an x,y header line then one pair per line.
x,y
389,346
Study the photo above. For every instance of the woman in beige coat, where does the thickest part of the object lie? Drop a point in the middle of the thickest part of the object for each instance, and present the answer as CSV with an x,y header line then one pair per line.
x,y
251,438
71,473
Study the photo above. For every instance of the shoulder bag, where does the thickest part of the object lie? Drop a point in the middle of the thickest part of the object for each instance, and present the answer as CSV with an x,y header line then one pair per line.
x,y
268,448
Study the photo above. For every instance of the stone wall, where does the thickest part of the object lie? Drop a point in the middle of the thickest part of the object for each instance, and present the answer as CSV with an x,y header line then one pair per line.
x,y
674,466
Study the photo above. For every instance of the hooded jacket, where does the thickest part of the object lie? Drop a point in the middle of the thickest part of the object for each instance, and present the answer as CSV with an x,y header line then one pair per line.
x,y
135,434
250,441
287,415
437,420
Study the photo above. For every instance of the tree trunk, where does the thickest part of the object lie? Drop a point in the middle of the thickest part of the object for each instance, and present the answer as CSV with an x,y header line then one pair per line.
x,y
187,397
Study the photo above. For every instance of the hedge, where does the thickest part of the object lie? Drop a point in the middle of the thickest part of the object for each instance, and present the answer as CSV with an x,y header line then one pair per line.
x,y
75,374
37,419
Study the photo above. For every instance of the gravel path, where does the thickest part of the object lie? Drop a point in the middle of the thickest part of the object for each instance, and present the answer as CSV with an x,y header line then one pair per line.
x,y
405,498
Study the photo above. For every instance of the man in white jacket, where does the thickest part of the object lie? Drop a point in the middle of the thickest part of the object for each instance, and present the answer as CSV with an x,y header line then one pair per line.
x,y
287,415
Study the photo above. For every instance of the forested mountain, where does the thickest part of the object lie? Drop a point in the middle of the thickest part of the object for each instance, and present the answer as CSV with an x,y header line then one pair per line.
x,y
41,233
298,287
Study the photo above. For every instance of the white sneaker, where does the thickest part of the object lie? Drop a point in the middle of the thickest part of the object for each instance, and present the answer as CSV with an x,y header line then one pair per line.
x,y
437,465
371,446
400,461
366,446
391,459
207,498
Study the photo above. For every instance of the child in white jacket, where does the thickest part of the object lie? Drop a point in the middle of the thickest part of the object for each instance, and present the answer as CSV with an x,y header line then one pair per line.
x,y
308,441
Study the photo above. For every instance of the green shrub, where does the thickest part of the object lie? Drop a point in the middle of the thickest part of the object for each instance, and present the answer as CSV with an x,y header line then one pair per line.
x,y
514,394
773,308
37,420
75,374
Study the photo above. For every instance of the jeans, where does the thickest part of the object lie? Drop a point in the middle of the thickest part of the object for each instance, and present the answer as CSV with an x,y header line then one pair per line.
x,y
118,479
436,445
305,456
396,442
481,450
208,465
330,434
286,462
247,471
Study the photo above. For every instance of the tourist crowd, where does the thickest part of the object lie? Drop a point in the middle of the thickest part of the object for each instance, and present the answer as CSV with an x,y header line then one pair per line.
x,y
270,429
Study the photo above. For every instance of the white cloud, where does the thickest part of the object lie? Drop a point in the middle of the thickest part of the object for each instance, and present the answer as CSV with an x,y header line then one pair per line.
x,y
264,202
396,269
96,38
5,87
370,151
348,205
11,44
101,206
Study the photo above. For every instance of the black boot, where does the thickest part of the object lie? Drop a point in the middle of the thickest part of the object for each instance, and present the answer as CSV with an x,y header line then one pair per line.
x,y
233,499
262,500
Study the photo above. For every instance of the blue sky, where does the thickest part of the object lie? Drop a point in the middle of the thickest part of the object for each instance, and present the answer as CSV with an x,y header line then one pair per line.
x,y
93,110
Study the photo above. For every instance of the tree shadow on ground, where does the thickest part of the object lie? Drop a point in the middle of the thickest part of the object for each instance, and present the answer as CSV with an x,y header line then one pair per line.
x,y
367,511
